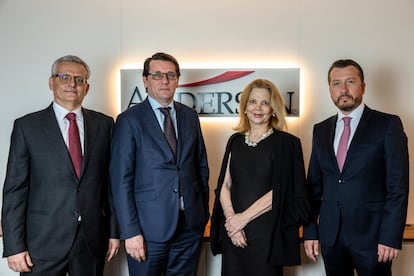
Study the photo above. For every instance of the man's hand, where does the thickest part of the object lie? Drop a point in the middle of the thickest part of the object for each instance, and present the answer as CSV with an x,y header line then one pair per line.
x,y
386,253
136,248
312,249
113,249
20,262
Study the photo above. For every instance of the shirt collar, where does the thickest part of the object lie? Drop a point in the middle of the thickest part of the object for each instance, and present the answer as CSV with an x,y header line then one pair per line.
x,y
355,114
61,112
156,105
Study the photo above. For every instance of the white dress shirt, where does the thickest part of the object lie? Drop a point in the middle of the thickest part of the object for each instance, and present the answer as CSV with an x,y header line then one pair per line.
x,y
60,114
356,117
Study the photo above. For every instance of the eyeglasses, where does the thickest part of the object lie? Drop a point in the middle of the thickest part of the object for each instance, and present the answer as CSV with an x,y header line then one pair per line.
x,y
66,78
159,75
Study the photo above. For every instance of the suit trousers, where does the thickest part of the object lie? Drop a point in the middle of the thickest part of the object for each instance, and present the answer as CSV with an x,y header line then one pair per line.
x,y
344,257
176,257
79,262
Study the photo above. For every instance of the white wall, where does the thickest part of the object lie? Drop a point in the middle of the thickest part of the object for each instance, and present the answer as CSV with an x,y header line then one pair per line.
x,y
111,35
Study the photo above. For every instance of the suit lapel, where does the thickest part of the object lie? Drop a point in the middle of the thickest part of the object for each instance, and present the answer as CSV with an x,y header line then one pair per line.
x,y
91,130
332,128
361,126
54,138
359,133
180,129
154,129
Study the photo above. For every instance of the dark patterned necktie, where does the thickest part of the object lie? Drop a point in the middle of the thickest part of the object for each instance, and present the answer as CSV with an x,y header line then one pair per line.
x,y
169,130
74,144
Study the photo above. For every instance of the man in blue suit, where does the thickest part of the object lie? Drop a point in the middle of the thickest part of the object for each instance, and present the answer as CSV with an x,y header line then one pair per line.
x,y
360,210
160,191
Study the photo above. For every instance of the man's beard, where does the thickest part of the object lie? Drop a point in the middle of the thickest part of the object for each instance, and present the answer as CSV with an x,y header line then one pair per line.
x,y
349,105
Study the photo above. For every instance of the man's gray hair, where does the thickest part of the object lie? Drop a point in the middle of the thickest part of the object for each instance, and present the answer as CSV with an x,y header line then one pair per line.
x,y
70,58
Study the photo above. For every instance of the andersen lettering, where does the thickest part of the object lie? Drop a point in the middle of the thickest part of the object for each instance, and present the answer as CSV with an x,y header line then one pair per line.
x,y
218,95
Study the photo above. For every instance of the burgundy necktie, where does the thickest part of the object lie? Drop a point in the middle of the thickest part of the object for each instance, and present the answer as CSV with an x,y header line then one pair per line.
x,y
343,143
169,130
75,149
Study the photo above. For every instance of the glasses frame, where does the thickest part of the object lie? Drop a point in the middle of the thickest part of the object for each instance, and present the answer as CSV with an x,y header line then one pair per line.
x,y
160,75
79,80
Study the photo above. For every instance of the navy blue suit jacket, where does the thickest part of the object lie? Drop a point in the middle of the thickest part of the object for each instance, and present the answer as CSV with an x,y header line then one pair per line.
x,y
369,198
146,178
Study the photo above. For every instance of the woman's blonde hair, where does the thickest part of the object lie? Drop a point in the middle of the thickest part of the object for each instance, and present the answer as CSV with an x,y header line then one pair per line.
x,y
278,119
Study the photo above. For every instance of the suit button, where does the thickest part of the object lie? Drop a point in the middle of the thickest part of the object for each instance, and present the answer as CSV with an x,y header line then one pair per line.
x,y
175,190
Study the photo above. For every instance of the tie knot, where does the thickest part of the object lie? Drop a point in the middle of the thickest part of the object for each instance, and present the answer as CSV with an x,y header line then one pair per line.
x,y
347,120
165,110
71,116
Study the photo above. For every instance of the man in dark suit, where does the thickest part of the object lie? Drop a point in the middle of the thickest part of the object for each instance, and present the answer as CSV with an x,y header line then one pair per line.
x,y
57,215
359,207
159,182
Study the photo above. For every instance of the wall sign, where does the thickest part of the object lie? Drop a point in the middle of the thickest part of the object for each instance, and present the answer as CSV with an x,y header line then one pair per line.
x,y
215,92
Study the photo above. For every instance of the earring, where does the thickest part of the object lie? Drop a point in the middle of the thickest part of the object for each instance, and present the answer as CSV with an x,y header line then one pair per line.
x,y
274,114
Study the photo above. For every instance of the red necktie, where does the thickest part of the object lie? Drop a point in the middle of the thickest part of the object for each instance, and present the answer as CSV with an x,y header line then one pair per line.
x,y
343,143
169,130
75,149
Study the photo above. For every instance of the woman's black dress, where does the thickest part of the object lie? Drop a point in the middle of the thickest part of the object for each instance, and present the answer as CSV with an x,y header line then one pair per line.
x,y
250,169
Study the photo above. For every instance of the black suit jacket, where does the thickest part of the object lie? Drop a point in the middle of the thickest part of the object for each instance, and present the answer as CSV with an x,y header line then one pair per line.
x,y
42,195
369,198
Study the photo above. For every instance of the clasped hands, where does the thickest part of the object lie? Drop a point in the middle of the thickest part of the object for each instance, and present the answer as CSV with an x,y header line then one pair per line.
x,y
234,226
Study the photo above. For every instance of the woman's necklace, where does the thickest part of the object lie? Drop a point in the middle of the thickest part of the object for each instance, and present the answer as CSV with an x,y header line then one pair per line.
x,y
253,144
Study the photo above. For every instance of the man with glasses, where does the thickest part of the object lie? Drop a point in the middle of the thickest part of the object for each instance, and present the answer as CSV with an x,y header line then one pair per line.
x,y
57,214
159,176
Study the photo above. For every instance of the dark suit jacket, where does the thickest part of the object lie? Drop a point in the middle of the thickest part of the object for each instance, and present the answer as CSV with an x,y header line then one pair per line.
x,y
146,178
370,196
290,205
42,193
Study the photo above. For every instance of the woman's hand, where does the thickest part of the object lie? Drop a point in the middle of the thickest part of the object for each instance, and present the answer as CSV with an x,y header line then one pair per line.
x,y
239,239
235,224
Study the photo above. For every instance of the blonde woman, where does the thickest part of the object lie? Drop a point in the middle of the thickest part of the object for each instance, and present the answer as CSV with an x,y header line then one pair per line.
x,y
260,199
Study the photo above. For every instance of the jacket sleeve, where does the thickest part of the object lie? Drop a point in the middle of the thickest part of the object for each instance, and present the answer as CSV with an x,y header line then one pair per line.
x,y
122,171
217,218
301,203
314,188
15,194
290,205
397,183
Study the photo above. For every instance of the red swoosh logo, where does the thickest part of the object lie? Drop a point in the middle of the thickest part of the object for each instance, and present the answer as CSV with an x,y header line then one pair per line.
x,y
226,76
